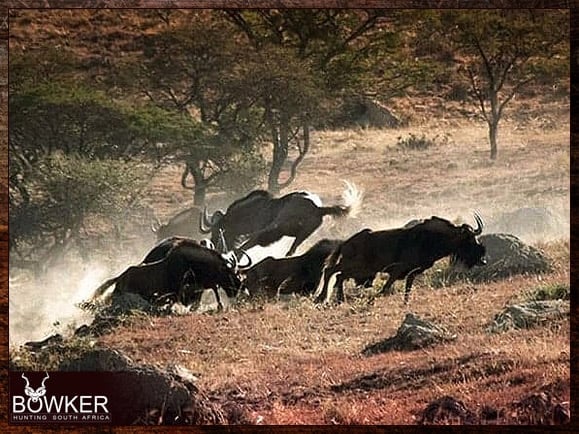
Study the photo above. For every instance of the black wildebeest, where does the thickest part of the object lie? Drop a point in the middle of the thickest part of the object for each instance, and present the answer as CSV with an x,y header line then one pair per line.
x,y
182,224
402,253
298,274
260,219
179,266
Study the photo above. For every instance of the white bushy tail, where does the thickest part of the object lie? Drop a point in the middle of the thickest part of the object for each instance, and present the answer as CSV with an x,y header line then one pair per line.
x,y
352,198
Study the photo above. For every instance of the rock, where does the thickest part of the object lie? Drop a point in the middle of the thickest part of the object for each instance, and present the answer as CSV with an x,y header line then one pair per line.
x,y
534,409
447,410
529,314
561,413
413,333
97,360
147,394
506,255
365,111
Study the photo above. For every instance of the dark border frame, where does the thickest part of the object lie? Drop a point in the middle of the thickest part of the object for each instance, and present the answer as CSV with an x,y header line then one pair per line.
x,y
573,5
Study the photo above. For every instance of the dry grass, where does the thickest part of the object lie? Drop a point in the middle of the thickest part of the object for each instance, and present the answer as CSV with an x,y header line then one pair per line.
x,y
291,362
284,362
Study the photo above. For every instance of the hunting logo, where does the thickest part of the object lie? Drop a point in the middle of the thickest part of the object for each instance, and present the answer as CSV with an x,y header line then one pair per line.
x,y
36,406
35,395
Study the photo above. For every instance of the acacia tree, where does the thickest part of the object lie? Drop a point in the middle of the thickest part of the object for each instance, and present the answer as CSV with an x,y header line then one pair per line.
x,y
305,60
289,99
76,153
200,79
69,147
505,50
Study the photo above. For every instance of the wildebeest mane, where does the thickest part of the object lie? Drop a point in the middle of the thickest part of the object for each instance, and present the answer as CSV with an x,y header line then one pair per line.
x,y
255,195
164,247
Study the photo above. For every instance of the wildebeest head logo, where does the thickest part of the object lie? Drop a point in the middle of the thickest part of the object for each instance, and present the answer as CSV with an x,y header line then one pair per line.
x,y
35,394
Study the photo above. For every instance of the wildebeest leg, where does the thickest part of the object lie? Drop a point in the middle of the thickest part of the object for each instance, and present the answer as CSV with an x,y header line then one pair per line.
x,y
387,287
289,285
219,303
322,290
395,272
364,282
263,238
409,280
188,283
340,290
304,232
299,239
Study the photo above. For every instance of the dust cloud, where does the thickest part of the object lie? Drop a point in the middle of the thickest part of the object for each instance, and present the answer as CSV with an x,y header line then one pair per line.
x,y
43,305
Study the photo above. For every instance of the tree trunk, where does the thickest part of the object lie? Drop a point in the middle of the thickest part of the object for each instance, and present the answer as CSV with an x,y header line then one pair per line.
x,y
493,129
200,184
200,189
494,119
280,139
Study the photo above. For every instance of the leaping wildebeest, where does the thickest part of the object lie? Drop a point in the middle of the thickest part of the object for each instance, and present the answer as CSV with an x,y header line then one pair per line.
x,y
178,266
260,219
403,253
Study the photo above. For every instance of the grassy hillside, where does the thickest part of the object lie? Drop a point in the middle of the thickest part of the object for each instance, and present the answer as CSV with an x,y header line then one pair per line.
x,y
290,361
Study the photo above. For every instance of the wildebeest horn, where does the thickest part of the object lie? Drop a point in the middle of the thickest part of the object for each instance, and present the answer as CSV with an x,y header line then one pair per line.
x,y
479,224
156,225
222,239
230,258
244,254
204,222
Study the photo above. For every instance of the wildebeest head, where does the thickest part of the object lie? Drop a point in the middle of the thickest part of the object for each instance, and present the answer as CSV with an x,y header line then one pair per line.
x,y
213,224
203,268
470,251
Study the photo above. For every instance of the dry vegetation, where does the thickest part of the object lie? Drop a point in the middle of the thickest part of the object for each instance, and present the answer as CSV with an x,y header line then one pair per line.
x,y
291,362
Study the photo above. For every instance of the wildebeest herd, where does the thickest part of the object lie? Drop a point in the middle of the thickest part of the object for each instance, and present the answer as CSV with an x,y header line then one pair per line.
x,y
182,268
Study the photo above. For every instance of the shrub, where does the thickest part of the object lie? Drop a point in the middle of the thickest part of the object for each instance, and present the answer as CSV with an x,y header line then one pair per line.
x,y
63,191
415,142
557,291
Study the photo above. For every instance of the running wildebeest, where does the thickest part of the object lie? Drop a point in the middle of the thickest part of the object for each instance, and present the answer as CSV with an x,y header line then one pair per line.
x,y
260,219
403,253
297,274
178,266
183,224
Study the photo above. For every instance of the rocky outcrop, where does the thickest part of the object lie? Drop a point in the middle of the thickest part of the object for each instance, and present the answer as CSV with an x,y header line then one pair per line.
x,y
148,395
530,314
413,333
506,255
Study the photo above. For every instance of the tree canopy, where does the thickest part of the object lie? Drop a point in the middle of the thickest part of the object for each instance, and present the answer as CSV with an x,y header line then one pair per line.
x,y
231,95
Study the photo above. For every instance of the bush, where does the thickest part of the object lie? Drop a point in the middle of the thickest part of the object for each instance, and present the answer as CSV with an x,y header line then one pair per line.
x,y
63,191
414,142
555,291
